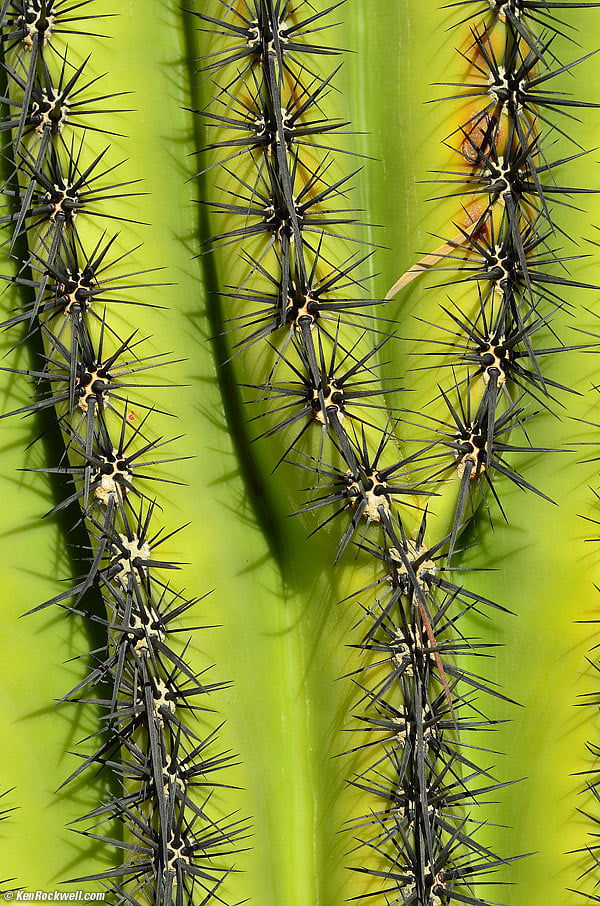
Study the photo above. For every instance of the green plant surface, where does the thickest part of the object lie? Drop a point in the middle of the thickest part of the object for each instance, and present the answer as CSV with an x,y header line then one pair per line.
x,y
281,624
542,565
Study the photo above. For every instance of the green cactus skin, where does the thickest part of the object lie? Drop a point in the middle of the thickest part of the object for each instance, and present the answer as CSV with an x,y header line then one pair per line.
x,y
283,640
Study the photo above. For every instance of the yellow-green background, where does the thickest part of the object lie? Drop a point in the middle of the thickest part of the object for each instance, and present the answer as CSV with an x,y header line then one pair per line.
x,y
283,648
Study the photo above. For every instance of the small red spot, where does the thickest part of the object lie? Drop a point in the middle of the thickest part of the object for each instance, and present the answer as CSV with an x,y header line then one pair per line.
x,y
131,416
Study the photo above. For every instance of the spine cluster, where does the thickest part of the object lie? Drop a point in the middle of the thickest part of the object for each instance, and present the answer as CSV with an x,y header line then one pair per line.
x,y
298,290
159,761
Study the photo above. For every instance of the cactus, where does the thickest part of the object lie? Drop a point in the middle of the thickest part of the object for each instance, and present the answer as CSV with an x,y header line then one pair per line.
x,y
383,497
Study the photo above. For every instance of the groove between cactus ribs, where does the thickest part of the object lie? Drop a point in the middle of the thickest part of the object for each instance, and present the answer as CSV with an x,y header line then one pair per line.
x,y
422,835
